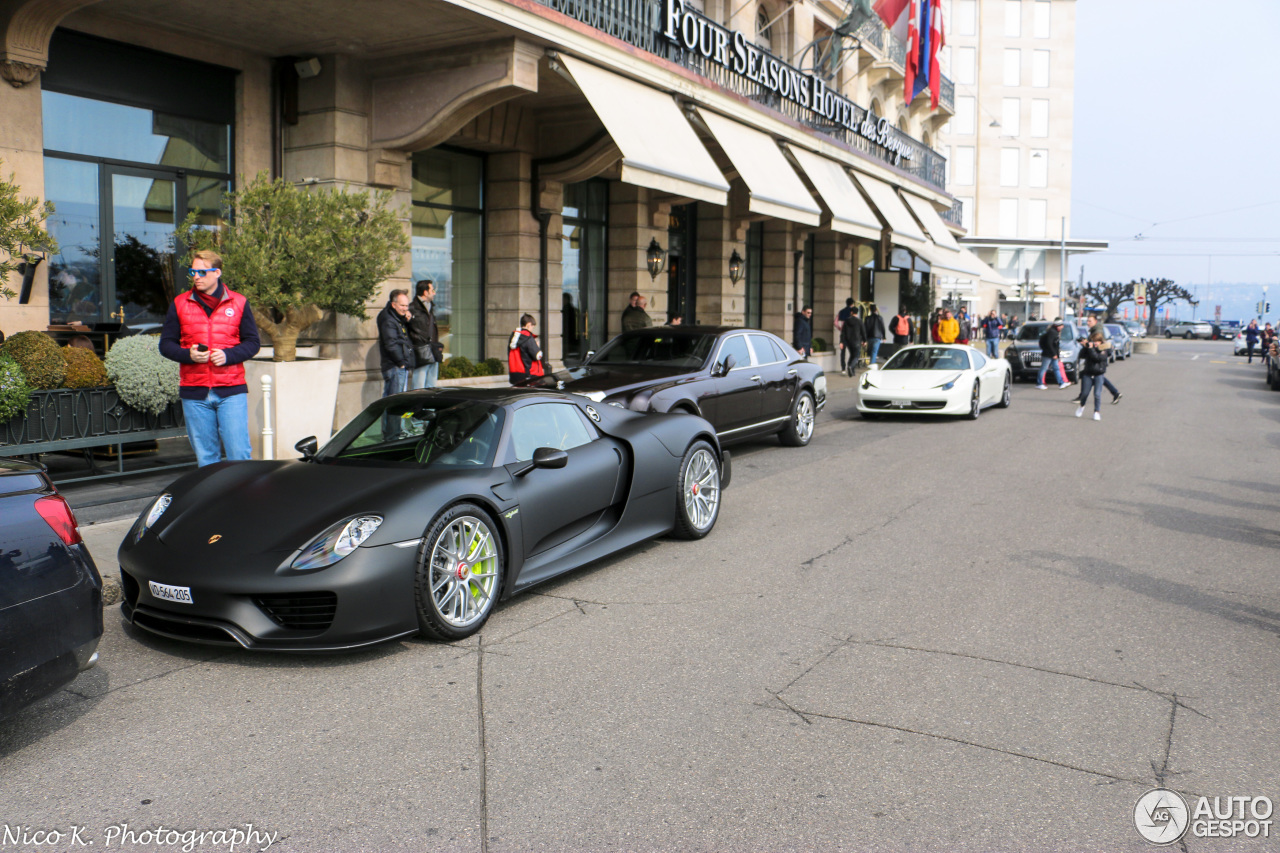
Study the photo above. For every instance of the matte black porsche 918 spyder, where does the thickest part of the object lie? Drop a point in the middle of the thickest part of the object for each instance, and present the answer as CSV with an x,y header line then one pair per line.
x,y
417,516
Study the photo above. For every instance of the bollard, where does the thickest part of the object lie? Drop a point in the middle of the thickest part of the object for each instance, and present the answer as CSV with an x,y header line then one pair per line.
x,y
268,435
1145,346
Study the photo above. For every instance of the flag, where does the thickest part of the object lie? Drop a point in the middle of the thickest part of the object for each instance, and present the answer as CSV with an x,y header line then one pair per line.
x,y
895,13
924,38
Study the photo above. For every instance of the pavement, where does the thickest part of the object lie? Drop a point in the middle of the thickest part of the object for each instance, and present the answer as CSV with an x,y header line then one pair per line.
x,y
914,635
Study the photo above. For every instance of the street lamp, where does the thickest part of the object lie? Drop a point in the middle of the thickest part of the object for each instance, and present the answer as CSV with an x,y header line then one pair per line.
x,y
655,257
735,267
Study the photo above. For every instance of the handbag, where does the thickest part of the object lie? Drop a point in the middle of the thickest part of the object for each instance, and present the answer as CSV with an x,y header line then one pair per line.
x,y
425,354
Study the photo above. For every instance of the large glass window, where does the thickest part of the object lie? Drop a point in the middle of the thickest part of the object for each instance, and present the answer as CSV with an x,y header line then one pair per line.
x,y
582,264
448,244
121,179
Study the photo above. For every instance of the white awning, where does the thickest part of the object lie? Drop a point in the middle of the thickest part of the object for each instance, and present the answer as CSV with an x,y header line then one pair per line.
x,y
962,263
885,199
932,222
850,213
775,188
659,147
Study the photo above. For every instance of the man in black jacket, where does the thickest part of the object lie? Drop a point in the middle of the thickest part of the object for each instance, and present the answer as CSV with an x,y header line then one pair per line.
x,y
875,333
424,336
1051,354
395,351
852,336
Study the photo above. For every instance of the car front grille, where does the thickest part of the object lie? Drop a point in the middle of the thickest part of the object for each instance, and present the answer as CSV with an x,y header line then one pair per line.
x,y
300,611
920,405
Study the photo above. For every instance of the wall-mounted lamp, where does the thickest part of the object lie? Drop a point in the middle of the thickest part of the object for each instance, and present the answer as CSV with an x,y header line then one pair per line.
x,y
308,68
735,267
27,269
994,123
655,257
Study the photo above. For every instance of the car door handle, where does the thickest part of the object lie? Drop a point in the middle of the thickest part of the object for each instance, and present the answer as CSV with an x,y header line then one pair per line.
x,y
791,372
755,378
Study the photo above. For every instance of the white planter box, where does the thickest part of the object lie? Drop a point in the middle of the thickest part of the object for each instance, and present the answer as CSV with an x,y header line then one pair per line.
x,y
304,394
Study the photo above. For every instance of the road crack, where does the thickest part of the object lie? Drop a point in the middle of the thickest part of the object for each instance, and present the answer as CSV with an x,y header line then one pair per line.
x,y
484,769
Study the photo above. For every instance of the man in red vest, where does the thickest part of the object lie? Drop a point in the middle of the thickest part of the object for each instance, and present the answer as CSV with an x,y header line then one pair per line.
x,y
524,357
210,332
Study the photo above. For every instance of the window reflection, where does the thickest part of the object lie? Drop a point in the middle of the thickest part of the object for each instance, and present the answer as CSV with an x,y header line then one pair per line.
x,y
74,272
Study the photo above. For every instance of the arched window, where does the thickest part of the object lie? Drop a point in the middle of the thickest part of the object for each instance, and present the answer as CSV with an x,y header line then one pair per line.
x,y
764,32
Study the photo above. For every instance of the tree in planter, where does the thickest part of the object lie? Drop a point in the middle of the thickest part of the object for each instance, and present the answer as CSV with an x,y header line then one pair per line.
x,y
296,254
21,231
1163,291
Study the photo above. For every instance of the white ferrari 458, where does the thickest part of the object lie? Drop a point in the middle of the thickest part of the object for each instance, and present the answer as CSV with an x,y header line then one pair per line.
x,y
935,379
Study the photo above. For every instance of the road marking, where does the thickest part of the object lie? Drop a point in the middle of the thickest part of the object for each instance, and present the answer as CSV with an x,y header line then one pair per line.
x,y
1194,357
1219,362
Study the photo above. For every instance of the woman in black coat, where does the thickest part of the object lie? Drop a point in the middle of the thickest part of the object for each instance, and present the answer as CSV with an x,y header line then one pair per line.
x,y
1093,357
852,337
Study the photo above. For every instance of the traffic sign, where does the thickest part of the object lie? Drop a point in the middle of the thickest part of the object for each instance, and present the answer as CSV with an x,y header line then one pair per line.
x,y
1140,299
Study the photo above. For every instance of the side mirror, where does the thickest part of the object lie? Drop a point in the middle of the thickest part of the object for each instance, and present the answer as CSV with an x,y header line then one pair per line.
x,y
590,353
723,368
307,447
550,457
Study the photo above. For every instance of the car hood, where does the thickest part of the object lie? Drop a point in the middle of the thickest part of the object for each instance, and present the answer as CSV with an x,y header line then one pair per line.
x,y
911,380
257,507
617,379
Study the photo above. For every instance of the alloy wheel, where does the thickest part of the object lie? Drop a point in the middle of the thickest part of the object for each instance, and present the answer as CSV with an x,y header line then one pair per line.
x,y
701,488
464,571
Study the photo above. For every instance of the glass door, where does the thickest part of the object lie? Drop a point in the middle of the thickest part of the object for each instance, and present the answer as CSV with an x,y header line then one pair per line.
x,y
140,271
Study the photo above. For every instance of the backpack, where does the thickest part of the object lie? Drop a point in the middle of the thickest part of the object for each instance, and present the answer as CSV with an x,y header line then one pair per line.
x,y
1044,339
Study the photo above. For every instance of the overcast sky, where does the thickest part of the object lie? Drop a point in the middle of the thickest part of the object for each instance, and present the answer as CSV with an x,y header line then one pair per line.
x,y
1177,138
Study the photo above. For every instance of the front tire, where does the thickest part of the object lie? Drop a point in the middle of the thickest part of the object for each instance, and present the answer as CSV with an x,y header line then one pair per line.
x,y
975,401
799,428
1006,397
697,492
459,576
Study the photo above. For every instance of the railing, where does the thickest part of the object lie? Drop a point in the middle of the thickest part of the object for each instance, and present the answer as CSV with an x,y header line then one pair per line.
x,y
639,23
955,215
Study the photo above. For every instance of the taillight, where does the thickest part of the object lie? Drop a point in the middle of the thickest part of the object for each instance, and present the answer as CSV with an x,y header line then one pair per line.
x,y
58,515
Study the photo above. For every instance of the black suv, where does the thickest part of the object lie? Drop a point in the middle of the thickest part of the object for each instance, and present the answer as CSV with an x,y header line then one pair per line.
x,y
1024,352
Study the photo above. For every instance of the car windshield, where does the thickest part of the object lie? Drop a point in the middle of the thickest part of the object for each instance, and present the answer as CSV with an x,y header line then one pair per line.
x,y
657,347
1033,331
1132,324
1115,330
928,358
419,431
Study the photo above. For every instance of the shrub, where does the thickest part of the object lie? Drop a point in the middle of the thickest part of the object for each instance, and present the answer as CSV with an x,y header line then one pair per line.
x,y
39,358
458,367
497,367
480,368
84,368
14,390
144,379
819,344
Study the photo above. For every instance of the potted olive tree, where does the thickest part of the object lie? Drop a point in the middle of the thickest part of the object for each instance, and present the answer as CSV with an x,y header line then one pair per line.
x,y
23,239
296,254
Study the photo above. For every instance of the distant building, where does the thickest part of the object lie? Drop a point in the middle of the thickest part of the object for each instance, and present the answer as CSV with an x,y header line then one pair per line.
x,y
1009,146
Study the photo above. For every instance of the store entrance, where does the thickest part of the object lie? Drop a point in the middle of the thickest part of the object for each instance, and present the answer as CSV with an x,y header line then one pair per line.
x,y
682,281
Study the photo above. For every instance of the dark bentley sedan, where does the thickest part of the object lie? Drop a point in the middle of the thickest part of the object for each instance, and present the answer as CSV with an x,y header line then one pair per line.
x,y
50,590
746,382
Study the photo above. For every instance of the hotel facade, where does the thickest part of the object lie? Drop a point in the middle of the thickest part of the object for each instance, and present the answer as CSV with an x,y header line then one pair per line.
x,y
732,160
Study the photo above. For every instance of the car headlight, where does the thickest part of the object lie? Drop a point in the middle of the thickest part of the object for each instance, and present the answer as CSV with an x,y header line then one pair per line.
x,y
866,382
158,506
947,386
337,542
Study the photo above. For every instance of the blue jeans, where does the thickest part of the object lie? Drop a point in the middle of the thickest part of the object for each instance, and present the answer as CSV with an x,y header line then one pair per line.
x,y
873,350
426,376
993,347
1094,384
394,381
215,423
1059,372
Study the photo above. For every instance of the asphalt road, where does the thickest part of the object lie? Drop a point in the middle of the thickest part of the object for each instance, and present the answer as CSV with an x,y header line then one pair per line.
x,y
914,635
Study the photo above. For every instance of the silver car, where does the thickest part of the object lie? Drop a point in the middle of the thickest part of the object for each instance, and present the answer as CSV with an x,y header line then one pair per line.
x,y
1120,340
1189,329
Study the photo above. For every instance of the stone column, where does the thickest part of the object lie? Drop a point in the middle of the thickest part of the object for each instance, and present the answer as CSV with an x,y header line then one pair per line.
x,y
777,279
633,222
511,253
712,267
22,152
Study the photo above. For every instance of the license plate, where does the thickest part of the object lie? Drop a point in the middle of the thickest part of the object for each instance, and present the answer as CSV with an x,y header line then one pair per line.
x,y
900,404
179,594
1033,362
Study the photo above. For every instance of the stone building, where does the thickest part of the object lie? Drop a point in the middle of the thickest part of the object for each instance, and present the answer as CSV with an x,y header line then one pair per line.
x,y
732,161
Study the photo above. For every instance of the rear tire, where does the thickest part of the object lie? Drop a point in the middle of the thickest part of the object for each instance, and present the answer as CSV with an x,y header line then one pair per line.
x,y
697,492
459,575
799,429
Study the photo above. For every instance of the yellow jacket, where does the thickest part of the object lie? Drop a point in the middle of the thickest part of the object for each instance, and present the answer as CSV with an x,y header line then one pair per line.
x,y
948,330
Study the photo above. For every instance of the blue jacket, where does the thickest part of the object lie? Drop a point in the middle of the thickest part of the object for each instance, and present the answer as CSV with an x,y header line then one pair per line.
x,y
1252,334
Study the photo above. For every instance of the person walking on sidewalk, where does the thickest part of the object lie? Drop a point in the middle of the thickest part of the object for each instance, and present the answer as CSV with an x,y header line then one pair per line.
x,y
875,333
1252,334
852,336
901,327
524,357
210,332
423,332
966,327
841,320
1051,354
803,341
1092,373
991,329
948,328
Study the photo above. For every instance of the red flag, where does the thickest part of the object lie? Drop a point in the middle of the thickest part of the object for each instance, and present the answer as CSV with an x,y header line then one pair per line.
x,y
936,41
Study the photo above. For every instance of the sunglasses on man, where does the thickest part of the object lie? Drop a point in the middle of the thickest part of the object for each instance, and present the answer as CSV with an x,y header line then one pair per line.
x,y
195,273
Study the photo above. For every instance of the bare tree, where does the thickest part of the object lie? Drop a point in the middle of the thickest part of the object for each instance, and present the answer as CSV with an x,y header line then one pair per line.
x,y
1164,291
1112,294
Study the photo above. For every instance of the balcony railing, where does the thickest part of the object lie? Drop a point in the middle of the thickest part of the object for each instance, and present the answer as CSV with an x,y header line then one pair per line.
x,y
955,215
639,23
873,32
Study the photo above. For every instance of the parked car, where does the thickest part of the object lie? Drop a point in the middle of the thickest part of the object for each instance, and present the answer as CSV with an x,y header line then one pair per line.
x,y
1083,332
1023,354
1189,329
1121,343
935,379
1135,329
416,517
1273,368
1241,346
746,382
1222,331
50,590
